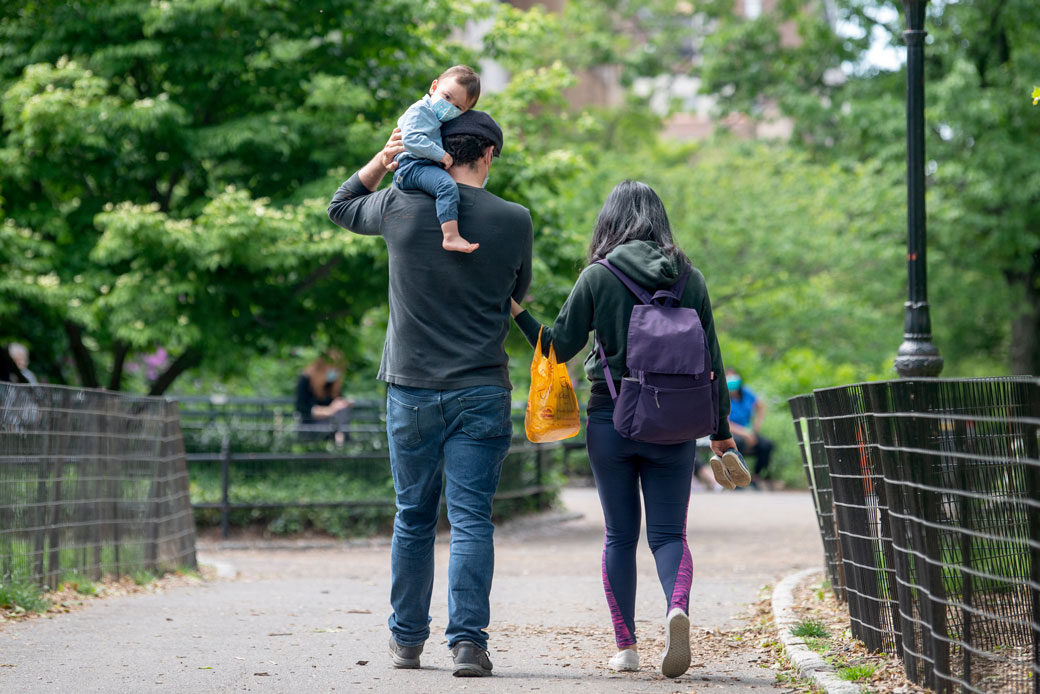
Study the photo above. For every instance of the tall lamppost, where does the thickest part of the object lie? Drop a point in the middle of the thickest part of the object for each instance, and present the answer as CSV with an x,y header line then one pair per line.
x,y
917,356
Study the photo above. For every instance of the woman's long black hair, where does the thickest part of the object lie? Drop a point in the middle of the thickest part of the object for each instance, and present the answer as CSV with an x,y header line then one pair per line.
x,y
632,212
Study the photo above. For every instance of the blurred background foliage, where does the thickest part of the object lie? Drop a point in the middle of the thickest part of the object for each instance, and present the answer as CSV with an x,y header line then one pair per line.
x,y
165,168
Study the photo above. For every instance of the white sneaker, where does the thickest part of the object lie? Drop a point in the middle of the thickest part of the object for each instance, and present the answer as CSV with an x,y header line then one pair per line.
x,y
676,658
625,660
738,473
720,473
730,470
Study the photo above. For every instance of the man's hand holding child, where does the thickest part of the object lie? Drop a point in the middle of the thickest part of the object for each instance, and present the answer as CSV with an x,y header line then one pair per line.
x,y
391,149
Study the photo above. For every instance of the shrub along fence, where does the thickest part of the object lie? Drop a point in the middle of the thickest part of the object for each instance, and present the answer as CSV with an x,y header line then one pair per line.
x,y
252,463
937,503
92,483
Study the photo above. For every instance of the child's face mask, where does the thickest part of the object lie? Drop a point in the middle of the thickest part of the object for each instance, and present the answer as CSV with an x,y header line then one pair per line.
x,y
444,109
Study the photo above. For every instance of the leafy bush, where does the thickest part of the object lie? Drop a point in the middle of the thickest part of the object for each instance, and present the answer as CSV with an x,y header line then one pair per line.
x,y
19,595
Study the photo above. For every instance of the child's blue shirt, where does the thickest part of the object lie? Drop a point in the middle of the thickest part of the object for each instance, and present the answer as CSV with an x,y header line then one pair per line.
x,y
421,132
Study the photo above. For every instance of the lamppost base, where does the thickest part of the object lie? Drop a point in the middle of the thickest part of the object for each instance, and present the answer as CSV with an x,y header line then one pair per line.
x,y
918,358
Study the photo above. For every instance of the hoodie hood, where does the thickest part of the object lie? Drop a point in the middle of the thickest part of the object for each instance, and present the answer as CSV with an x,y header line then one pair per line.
x,y
644,262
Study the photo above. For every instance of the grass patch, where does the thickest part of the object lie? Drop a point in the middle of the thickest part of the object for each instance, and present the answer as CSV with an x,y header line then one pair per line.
x,y
83,587
818,645
22,596
810,628
855,673
142,578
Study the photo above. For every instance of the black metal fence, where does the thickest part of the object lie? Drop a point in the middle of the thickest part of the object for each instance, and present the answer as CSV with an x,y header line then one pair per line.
x,y
92,483
234,443
941,514
814,461
861,513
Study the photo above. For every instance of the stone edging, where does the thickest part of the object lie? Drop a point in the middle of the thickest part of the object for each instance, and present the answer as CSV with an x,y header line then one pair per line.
x,y
808,663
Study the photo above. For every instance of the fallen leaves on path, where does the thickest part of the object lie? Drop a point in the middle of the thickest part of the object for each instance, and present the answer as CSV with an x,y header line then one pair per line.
x,y
70,596
815,600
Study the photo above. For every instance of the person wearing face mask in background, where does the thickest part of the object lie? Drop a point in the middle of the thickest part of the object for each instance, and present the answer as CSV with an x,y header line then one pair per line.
x,y
419,165
745,422
319,406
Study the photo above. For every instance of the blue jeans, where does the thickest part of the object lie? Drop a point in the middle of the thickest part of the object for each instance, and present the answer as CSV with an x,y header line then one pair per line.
x,y
461,436
429,177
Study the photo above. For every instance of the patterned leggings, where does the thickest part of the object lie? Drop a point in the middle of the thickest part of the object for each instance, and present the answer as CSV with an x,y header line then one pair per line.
x,y
620,467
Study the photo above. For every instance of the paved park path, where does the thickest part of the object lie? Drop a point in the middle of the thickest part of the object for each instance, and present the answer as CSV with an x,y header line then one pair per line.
x,y
315,620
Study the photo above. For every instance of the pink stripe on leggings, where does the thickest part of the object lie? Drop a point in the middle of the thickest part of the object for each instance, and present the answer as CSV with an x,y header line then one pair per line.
x,y
622,635
684,575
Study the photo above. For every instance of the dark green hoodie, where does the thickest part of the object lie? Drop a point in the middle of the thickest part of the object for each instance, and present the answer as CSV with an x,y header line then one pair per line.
x,y
600,302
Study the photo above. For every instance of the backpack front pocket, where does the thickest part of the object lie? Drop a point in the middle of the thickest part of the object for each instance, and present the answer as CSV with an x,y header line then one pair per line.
x,y
655,414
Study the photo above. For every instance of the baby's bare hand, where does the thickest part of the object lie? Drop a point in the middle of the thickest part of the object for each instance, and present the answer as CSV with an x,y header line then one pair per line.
x,y
447,160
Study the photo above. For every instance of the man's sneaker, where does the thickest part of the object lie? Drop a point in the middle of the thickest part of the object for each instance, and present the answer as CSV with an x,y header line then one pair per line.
x,y
405,657
676,658
470,660
730,470
626,660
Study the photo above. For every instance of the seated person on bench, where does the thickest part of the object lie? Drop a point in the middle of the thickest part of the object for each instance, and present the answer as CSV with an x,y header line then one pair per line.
x,y
746,412
322,411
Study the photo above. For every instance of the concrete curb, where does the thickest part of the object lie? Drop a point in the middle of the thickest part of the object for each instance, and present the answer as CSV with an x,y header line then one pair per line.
x,y
809,664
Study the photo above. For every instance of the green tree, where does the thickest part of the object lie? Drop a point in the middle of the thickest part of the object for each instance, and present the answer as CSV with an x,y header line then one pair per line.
x,y
150,150
983,183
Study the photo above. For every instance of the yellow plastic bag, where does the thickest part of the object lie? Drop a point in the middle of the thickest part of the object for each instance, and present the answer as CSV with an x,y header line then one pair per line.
x,y
552,406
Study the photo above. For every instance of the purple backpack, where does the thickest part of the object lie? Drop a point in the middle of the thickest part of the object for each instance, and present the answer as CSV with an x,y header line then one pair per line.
x,y
670,394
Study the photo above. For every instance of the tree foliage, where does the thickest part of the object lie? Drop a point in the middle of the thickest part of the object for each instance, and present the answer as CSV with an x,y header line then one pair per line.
x,y
150,148
983,183
165,167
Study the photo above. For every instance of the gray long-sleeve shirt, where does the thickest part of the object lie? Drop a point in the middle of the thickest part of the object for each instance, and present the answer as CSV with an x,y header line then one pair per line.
x,y
449,312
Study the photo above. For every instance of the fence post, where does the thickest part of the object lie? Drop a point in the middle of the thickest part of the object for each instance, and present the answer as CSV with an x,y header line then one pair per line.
x,y
1032,453
225,483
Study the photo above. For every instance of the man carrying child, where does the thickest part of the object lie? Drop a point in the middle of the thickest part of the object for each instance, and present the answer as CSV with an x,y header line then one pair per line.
x,y
444,360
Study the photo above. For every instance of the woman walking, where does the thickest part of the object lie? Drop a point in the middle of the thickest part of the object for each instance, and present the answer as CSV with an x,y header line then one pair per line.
x,y
633,234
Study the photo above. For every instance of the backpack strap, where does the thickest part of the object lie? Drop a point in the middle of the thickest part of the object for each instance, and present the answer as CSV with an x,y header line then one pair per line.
x,y
606,369
674,292
640,293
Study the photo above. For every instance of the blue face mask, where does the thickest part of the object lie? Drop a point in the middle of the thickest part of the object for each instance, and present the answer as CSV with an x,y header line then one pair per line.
x,y
331,375
733,382
444,109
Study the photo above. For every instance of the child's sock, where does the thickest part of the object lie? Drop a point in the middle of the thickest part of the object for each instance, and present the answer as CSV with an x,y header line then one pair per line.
x,y
453,241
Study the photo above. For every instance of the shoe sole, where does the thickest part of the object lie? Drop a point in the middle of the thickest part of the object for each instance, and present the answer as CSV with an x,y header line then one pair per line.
x,y
470,671
676,660
719,471
403,663
622,666
735,469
